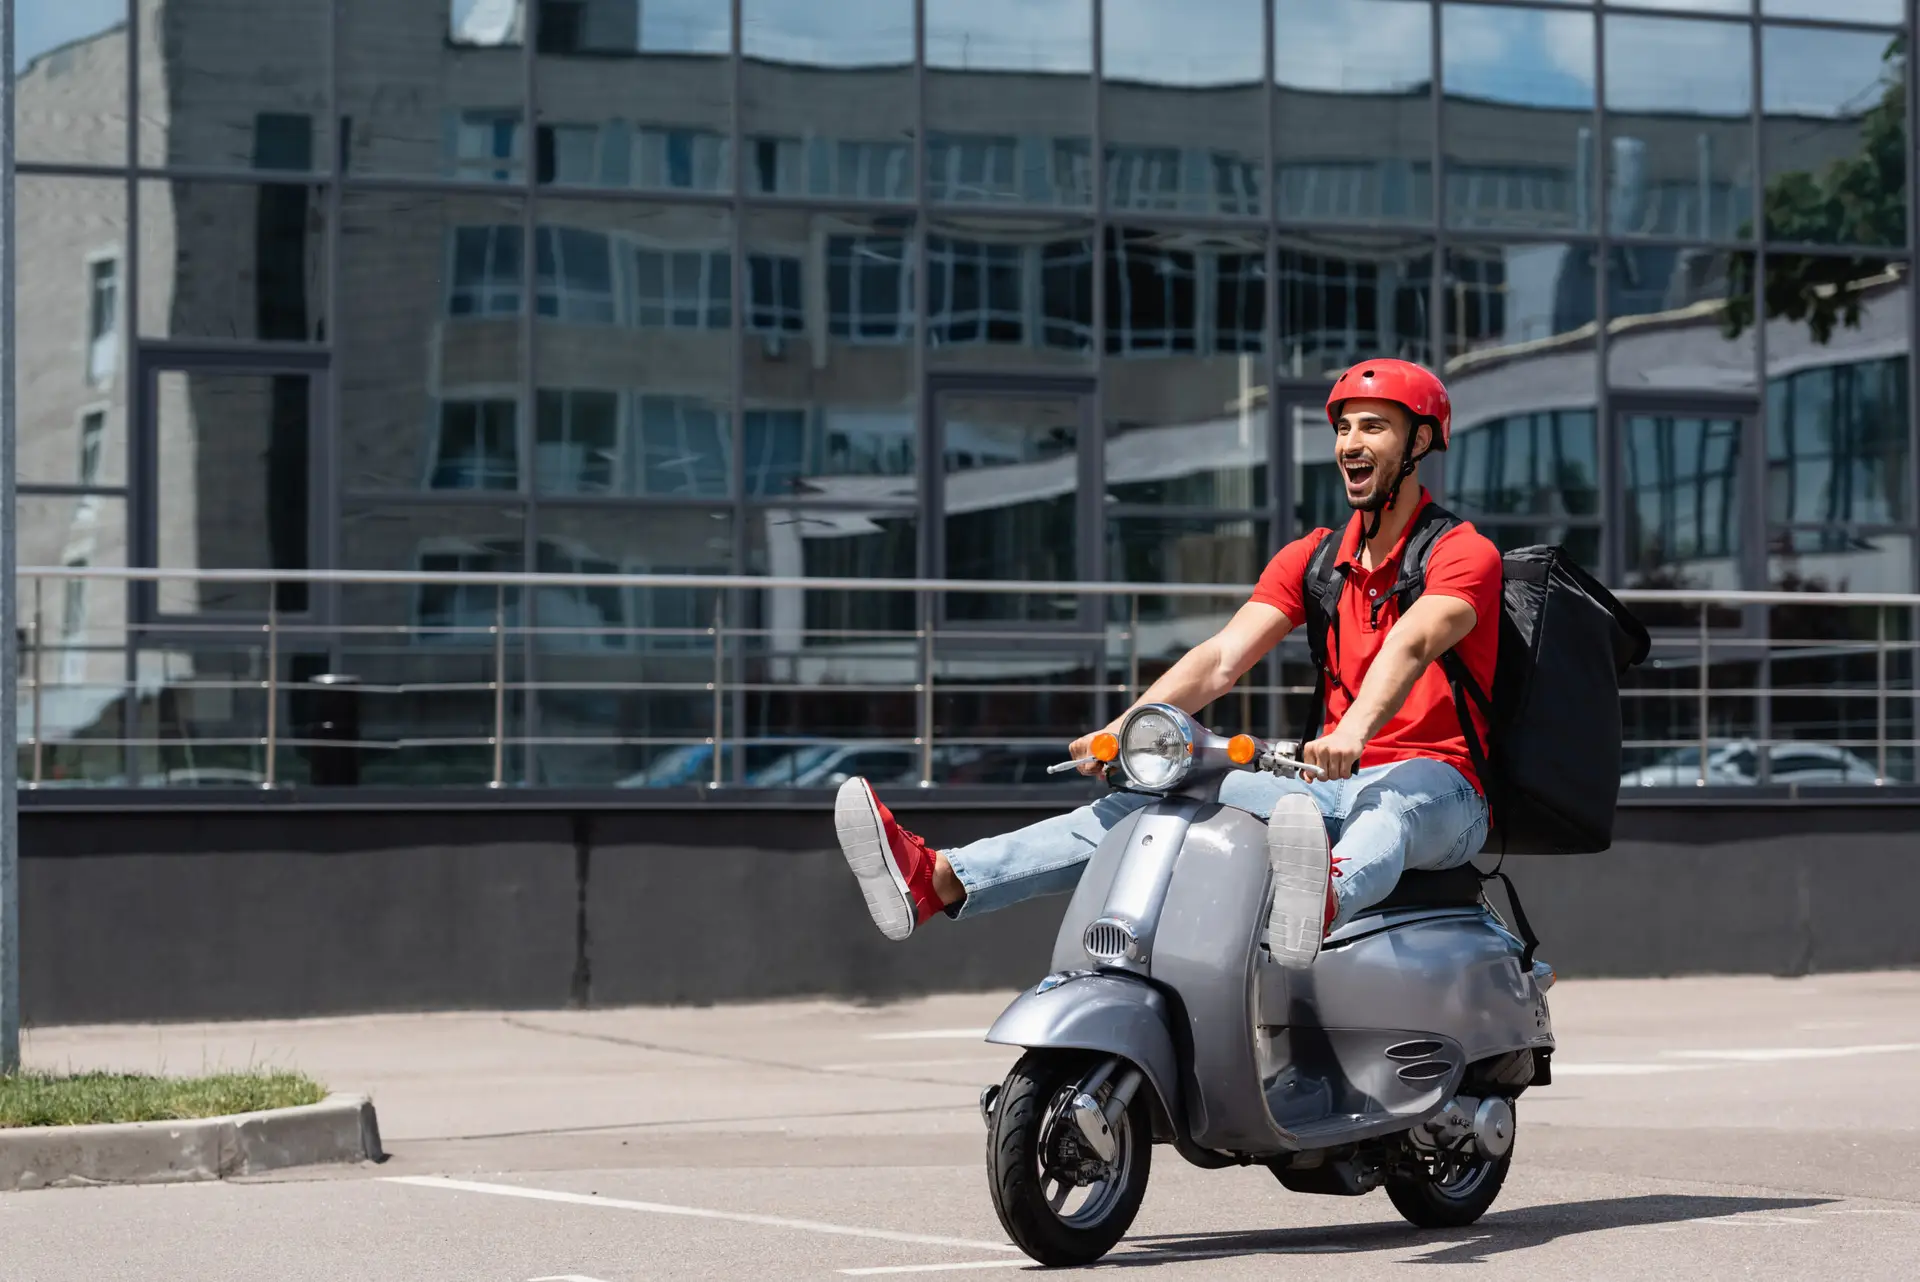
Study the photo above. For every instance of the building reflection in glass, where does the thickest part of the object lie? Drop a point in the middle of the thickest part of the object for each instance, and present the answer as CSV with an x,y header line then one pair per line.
x,y
603,285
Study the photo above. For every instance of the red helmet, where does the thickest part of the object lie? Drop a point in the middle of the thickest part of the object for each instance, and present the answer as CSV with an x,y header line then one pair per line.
x,y
1403,382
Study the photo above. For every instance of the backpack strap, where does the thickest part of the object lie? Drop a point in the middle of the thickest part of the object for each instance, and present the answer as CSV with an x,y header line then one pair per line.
x,y
1528,939
1424,533
1320,591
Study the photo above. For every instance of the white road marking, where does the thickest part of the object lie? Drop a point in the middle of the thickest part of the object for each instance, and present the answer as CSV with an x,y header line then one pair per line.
x,y
1693,1061
932,1035
1118,1257
886,1065
1621,1070
565,1277
1791,1054
1754,1221
886,1269
697,1213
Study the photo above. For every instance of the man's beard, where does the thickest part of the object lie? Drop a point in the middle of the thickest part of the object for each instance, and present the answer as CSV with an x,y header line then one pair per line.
x,y
1382,492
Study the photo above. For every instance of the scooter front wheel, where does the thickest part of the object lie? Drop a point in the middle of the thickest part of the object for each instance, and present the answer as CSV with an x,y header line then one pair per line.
x,y
1057,1200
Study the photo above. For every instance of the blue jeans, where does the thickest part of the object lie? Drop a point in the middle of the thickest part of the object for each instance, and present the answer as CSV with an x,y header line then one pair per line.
x,y
1420,814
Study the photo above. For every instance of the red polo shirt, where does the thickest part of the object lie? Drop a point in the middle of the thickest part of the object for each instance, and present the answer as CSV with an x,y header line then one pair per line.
x,y
1464,564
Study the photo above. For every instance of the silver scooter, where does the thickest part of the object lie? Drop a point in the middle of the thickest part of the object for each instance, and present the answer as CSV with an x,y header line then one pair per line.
x,y
1393,1060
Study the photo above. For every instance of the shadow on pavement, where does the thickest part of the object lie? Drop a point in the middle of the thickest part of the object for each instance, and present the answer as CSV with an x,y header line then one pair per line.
x,y
1499,1233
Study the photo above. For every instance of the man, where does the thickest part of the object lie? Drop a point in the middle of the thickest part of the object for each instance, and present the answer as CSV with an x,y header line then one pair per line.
x,y
1398,788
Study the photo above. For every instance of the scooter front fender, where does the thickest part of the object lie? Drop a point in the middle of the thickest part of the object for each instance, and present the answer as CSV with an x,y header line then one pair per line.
x,y
1110,1013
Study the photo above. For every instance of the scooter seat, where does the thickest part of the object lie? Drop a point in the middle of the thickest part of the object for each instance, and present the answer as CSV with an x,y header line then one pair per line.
x,y
1452,888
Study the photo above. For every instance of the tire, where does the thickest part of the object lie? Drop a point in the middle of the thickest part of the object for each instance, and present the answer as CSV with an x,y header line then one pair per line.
x,y
1023,1131
1427,1203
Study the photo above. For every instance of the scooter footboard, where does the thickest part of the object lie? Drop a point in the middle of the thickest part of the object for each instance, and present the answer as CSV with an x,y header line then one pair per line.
x,y
1116,1014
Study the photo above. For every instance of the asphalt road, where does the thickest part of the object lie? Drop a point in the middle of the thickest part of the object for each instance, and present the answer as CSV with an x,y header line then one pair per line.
x,y
1698,1128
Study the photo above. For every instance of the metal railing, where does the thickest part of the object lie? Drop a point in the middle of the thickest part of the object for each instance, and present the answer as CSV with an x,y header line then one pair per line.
x,y
1742,688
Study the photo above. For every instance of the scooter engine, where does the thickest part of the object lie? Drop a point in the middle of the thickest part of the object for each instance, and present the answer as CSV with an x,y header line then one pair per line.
x,y
1482,1128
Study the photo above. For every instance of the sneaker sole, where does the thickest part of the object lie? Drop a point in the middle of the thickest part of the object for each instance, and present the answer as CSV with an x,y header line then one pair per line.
x,y
863,840
1301,861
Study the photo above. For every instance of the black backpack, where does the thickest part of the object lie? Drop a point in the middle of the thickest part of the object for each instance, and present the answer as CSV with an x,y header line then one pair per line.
x,y
1552,770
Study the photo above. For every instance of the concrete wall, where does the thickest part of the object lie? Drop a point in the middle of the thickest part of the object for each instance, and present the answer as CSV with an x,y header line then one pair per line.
x,y
169,914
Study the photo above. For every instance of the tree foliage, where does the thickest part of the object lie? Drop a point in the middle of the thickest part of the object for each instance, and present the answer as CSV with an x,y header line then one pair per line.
x,y
1859,200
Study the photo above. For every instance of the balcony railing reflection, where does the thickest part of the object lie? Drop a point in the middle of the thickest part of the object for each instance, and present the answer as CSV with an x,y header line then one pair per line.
x,y
1797,690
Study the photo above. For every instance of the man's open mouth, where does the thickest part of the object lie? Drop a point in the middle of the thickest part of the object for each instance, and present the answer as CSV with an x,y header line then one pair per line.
x,y
1358,473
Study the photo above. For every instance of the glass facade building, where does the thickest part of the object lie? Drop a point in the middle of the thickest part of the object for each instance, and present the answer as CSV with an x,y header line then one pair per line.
x,y
1044,290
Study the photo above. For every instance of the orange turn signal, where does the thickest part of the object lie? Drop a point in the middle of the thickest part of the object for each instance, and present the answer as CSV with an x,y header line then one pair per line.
x,y
1241,749
1105,747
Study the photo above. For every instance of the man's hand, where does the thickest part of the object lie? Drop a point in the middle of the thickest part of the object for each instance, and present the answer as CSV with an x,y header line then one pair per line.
x,y
1081,750
1338,754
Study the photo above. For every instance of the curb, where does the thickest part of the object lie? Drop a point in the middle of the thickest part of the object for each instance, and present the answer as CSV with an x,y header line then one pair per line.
x,y
340,1128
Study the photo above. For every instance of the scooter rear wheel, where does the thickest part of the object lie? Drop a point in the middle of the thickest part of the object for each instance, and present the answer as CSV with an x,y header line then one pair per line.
x,y
1030,1140
1450,1203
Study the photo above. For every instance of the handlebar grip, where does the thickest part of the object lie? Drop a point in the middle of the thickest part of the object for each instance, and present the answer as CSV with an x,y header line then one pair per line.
x,y
1065,766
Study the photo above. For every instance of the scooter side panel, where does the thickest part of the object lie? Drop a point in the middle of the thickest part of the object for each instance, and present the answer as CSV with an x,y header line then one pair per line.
x,y
1458,977
1116,1014
1090,893
1344,1082
1204,949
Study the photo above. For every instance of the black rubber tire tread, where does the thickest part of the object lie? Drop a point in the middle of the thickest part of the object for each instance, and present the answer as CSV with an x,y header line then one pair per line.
x,y
1013,1176
1424,1206
1503,1075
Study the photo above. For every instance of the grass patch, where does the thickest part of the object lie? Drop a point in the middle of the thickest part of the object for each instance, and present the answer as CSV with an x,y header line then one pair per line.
x,y
81,1099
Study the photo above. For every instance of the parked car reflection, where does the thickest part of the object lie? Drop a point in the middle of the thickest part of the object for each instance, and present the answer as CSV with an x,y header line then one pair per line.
x,y
1736,763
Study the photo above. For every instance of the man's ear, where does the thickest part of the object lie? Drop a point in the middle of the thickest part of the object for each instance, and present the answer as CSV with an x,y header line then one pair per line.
x,y
1423,438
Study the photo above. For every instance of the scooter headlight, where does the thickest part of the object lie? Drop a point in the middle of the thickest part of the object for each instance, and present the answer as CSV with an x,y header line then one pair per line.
x,y
1156,747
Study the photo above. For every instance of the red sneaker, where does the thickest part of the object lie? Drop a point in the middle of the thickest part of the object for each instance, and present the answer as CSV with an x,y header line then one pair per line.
x,y
894,867
1304,901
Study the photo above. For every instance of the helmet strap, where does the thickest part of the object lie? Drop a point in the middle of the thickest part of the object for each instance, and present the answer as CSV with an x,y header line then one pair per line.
x,y
1407,465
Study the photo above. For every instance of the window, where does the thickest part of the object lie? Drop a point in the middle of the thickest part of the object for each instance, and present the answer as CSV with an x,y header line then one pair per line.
x,y
683,614
1240,303
93,434
593,616
1508,195
1236,185
1340,308
975,292
1538,464
486,272
579,440
1337,191
73,626
682,447
478,446
563,26
778,445
1682,491
569,154
1475,299
874,170
576,275
1143,178
1152,303
103,319
682,289
973,168
777,165
774,302
680,159
486,147
1066,294
1072,171
1837,444
788,451
463,613
869,288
